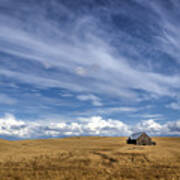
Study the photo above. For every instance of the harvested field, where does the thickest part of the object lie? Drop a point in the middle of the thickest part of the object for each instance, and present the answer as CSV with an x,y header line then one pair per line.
x,y
89,158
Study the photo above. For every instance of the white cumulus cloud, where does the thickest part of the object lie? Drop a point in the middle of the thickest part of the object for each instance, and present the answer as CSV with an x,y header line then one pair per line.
x,y
95,125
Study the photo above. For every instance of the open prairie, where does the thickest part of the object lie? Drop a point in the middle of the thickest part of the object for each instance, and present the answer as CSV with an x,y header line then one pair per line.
x,y
89,158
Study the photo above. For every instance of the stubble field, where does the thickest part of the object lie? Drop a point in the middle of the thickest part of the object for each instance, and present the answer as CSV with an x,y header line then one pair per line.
x,y
89,158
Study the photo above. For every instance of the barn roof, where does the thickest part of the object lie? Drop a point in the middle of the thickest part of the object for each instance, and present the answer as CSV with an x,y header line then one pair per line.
x,y
136,135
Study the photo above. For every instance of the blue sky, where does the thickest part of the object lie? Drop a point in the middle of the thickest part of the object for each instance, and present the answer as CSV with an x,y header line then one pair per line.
x,y
89,67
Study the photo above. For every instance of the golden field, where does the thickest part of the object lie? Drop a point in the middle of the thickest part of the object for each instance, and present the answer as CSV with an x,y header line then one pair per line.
x,y
89,158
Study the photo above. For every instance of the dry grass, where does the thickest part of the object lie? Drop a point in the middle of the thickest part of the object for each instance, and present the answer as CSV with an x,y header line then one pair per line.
x,y
89,158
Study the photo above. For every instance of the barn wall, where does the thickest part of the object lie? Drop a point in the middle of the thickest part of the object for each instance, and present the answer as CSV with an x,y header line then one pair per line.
x,y
144,140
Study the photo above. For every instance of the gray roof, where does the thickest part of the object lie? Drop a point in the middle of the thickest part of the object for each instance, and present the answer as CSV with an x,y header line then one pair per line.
x,y
136,135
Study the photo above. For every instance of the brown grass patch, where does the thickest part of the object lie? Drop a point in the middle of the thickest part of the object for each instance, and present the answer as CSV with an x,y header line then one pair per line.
x,y
89,158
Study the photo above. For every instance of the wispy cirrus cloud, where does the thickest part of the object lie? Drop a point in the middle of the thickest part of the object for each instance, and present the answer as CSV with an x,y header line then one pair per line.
x,y
150,116
168,39
174,105
5,99
72,53
90,59
103,111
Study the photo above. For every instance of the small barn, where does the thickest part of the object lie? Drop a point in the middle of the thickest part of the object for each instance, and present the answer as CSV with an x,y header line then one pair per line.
x,y
140,138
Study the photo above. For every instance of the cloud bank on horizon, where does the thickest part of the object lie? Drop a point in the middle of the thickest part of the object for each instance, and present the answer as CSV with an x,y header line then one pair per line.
x,y
11,128
89,67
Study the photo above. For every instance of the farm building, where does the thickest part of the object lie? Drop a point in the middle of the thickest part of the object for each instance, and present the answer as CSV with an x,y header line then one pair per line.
x,y
140,138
